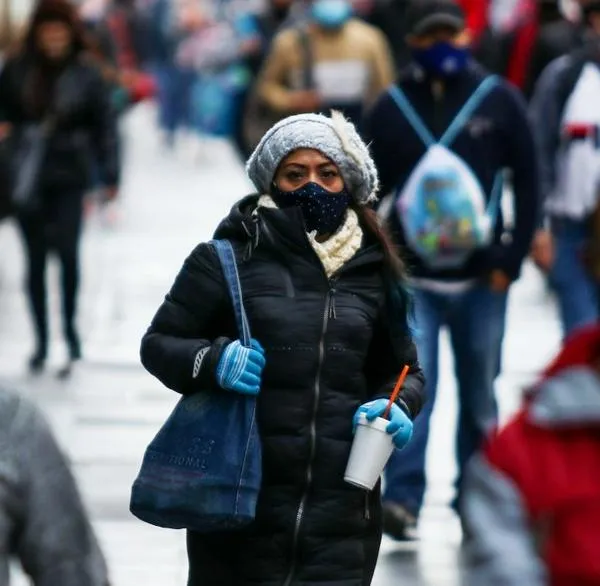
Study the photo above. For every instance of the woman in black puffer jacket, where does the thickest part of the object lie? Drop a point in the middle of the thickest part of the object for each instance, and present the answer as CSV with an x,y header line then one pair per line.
x,y
317,273
51,78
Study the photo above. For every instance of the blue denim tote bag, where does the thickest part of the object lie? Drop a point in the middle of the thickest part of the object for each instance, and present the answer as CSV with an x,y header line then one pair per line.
x,y
202,471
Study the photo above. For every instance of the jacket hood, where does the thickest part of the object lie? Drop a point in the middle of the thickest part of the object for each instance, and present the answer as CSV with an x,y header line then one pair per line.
x,y
571,398
277,228
569,390
235,225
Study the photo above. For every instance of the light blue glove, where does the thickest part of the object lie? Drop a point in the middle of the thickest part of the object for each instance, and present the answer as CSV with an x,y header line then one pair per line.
x,y
400,425
240,368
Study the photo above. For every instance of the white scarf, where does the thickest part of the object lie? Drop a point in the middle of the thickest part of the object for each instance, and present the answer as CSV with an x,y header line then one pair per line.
x,y
337,250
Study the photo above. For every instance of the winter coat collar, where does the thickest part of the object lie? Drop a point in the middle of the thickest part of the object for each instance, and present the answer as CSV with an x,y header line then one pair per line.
x,y
335,252
572,397
282,232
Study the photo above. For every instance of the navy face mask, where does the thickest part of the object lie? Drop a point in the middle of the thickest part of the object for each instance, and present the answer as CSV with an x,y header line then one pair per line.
x,y
323,210
442,59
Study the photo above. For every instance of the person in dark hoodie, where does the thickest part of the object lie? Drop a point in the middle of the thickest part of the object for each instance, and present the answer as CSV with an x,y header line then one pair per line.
x,y
323,290
441,139
51,81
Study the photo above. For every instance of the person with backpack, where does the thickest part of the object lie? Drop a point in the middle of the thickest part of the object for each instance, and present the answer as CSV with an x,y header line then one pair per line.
x,y
442,138
566,122
322,286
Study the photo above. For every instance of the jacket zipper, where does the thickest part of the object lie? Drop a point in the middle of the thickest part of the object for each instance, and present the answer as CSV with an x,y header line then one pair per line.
x,y
328,313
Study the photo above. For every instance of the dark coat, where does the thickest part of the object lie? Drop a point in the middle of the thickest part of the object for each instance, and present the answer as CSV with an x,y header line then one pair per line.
x,y
328,350
86,124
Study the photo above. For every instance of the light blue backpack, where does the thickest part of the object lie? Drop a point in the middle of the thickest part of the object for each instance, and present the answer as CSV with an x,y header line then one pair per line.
x,y
442,207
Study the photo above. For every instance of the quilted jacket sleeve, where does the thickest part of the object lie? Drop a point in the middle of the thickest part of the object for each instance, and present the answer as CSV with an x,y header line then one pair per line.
x,y
182,346
387,358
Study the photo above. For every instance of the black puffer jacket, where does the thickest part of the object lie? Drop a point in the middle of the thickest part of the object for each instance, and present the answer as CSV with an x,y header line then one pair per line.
x,y
328,350
86,124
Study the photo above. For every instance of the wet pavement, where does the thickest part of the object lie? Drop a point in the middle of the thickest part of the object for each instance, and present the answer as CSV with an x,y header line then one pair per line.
x,y
109,410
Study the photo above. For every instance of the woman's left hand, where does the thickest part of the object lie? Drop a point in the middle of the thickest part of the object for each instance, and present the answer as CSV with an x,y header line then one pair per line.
x,y
400,425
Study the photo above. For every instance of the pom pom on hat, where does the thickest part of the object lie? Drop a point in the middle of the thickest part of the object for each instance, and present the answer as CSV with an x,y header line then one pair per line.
x,y
334,137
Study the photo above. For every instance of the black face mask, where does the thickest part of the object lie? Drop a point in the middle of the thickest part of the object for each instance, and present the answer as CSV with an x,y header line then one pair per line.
x,y
323,210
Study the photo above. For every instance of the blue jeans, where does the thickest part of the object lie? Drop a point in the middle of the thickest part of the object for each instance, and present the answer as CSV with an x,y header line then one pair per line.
x,y
476,320
174,97
576,291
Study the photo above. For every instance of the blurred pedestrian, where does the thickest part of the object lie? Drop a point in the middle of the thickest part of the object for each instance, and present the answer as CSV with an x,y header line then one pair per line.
x,y
350,64
442,139
277,15
532,498
323,289
43,523
566,122
130,28
559,33
218,52
51,83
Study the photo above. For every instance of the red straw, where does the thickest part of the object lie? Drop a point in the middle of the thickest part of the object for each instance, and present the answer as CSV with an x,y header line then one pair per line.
x,y
396,392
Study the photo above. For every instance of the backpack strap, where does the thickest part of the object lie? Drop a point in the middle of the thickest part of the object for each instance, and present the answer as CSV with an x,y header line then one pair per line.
x,y
308,81
411,115
226,255
493,206
404,105
486,86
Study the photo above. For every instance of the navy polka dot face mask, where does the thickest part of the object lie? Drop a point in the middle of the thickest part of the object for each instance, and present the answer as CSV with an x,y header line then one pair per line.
x,y
323,211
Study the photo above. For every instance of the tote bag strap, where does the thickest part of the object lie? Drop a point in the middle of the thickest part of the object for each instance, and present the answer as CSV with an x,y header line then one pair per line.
x,y
226,256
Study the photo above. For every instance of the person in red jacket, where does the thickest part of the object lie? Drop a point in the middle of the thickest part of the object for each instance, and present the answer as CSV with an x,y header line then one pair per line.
x,y
532,504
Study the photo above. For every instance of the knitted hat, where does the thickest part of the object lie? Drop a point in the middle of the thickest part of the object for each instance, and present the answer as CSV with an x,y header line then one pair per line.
x,y
334,137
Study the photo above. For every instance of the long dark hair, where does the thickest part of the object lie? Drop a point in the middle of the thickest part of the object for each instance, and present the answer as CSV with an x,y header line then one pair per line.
x,y
400,306
41,77
55,11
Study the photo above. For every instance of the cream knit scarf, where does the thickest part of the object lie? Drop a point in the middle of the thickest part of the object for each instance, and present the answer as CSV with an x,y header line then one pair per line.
x,y
335,252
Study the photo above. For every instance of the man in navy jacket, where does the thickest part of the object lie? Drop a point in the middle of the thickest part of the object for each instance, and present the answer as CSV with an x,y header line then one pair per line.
x,y
470,299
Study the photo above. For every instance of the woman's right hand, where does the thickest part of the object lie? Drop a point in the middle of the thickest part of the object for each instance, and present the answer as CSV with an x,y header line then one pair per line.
x,y
240,368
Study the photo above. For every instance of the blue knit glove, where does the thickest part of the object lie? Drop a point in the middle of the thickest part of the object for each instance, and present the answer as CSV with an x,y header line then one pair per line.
x,y
400,425
240,368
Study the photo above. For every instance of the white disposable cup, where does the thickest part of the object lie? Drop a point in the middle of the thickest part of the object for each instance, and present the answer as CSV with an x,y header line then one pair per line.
x,y
371,450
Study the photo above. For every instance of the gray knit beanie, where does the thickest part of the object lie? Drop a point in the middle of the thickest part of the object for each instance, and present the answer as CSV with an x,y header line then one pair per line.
x,y
334,137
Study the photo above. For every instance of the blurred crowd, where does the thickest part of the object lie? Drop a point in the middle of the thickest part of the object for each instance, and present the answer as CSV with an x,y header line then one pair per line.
x,y
231,69
201,59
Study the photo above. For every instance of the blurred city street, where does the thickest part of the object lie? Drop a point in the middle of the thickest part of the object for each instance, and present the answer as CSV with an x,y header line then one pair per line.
x,y
109,410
